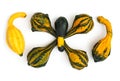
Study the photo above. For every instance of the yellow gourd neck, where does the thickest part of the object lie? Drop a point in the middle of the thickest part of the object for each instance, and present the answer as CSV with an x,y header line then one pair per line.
x,y
14,16
106,22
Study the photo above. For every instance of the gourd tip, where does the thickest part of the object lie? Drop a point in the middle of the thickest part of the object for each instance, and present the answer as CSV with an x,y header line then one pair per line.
x,y
21,54
100,19
33,29
28,63
98,58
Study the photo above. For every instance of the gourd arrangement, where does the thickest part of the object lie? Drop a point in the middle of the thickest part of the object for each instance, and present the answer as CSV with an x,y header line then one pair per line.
x,y
39,56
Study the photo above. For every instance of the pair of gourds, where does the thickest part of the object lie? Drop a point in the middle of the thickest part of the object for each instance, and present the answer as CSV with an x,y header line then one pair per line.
x,y
39,56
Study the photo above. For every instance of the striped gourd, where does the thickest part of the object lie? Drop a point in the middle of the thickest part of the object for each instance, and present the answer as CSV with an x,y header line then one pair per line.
x,y
41,22
14,37
39,56
78,58
83,23
102,48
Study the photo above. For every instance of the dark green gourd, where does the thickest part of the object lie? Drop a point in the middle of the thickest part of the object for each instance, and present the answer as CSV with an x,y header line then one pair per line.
x,y
61,26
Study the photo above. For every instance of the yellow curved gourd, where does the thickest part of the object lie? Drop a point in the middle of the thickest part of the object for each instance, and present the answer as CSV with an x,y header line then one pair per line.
x,y
14,37
102,48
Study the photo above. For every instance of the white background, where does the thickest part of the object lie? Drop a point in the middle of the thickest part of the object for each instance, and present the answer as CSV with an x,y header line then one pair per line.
x,y
58,68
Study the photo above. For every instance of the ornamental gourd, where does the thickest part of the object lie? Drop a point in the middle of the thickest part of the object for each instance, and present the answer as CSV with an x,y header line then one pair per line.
x,y
14,37
39,56
102,48
41,22
83,23
61,26
78,58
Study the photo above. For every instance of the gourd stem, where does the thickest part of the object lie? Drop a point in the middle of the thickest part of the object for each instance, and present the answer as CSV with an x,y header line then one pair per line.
x,y
52,45
67,48
52,32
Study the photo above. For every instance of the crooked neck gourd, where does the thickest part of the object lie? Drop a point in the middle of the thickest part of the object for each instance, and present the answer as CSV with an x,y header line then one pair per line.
x,y
102,48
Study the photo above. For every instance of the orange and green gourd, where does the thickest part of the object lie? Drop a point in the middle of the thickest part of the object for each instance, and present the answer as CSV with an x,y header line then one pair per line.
x,y
102,48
